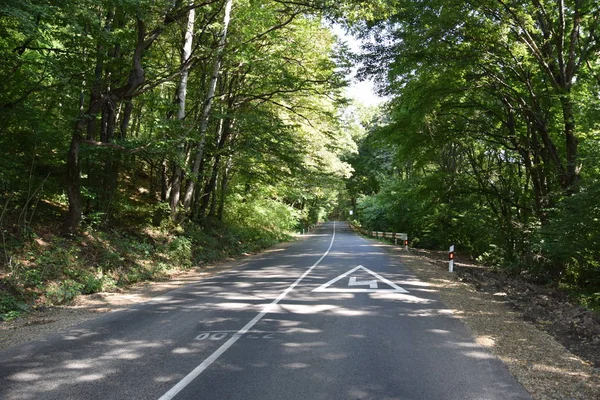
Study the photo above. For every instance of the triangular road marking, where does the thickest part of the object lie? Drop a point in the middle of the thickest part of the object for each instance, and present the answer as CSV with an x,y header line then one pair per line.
x,y
352,283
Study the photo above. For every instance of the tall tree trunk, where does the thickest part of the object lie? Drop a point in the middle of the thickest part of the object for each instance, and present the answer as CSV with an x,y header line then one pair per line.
x,y
180,99
198,195
73,218
225,179
224,131
124,127
109,175
210,186
164,185
73,186
207,107
572,171
111,162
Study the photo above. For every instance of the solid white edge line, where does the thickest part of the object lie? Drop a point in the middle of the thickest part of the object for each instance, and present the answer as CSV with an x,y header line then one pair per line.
x,y
214,356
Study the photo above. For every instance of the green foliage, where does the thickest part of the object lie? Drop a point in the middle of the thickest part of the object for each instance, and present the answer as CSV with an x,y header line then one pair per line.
x,y
62,292
59,269
587,298
488,142
180,250
12,303
273,153
570,242
265,214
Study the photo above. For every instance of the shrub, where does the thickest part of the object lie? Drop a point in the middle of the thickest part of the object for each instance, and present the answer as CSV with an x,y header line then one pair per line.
x,y
63,292
180,250
570,242
264,214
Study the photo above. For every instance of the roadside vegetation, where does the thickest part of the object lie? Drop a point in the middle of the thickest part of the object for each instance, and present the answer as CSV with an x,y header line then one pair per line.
x,y
490,139
140,138
46,269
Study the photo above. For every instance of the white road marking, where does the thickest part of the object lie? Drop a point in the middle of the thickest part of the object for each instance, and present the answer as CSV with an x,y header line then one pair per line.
x,y
326,286
220,335
236,336
353,282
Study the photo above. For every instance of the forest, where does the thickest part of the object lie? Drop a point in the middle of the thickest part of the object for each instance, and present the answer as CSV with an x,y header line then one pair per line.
x,y
144,137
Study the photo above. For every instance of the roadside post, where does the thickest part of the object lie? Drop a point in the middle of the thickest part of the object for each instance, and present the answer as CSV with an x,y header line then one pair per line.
x,y
451,259
404,238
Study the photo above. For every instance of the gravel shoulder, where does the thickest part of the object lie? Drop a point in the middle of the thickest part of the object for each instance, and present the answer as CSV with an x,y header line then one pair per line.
x,y
541,364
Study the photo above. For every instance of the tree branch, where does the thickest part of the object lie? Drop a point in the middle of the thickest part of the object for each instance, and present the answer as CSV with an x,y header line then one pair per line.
x,y
115,146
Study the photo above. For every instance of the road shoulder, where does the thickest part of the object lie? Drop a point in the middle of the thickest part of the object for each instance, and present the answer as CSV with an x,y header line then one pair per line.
x,y
542,365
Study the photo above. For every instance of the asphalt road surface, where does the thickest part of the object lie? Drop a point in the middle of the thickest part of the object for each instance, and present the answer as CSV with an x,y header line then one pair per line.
x,y
330,317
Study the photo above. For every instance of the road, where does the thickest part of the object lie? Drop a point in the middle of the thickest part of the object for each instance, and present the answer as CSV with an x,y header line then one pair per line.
x,y
331,317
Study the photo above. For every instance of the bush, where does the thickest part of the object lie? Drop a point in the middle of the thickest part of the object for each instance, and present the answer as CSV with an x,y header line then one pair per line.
x,y
180,250
91,283
63,292
263,214
12,303
570,242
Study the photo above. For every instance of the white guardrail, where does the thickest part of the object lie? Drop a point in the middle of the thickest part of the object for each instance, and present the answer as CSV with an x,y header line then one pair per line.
x,y
397,237
404,241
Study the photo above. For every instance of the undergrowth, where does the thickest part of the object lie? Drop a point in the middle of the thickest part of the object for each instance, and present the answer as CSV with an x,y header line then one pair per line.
x,y
53,270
